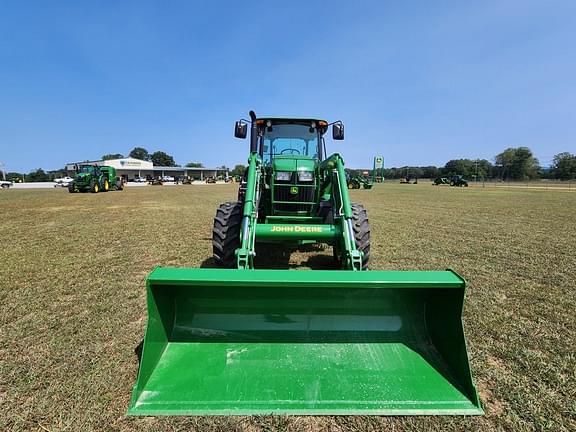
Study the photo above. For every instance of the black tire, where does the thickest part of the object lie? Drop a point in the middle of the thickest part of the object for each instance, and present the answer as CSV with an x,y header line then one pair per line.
x,y
94,186
71,188
105,185
226,234
361,227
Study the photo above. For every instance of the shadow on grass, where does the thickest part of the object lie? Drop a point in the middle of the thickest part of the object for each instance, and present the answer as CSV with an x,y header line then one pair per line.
x,y
275,257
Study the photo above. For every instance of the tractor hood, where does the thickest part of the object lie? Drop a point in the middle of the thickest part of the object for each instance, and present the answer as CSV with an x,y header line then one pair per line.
x,y
293,163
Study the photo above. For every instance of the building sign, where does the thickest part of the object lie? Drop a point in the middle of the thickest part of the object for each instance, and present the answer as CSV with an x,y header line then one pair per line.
x,y
378,162
129,163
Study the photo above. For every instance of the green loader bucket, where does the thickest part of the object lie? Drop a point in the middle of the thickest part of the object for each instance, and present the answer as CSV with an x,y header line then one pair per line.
x,y
240,342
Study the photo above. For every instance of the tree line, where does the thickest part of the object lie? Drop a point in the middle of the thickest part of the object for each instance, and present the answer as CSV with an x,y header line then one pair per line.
x,y
512,164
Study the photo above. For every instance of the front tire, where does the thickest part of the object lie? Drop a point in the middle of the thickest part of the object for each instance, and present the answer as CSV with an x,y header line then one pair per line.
x,y
226,234
361,227
94,186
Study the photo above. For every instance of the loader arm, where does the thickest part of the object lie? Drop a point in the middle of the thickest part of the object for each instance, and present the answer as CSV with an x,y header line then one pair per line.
x,y
343,210
247,251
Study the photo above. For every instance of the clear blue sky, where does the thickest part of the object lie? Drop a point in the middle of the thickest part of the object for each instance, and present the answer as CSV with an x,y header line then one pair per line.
x,y
420,82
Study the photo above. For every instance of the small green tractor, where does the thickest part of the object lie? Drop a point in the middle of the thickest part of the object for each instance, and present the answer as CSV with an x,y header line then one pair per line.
x,y
236,340
459,181
456,180
94,178
354,182
409,180
439,181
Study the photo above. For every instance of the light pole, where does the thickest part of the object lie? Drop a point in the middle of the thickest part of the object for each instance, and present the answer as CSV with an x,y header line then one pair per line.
x,y
2,169
476,171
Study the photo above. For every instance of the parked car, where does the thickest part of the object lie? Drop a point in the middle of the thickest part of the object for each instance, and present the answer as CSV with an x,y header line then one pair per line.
x,y
140,179
63,181
168,178
4,184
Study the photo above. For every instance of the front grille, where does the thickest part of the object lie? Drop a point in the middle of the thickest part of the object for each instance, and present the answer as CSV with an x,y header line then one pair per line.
x,y
286,201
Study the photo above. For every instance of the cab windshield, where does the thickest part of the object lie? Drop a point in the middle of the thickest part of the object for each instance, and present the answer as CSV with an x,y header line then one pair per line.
x,y
288,140
86,169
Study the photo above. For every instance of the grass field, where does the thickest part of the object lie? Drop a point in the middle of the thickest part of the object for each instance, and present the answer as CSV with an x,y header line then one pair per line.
x,y
72,299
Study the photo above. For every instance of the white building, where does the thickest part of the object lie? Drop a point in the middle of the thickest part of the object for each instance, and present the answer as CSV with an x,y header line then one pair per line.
x,y
131,168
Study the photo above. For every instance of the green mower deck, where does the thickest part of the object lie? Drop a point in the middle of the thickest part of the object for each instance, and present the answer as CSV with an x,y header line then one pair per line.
x,y
230,342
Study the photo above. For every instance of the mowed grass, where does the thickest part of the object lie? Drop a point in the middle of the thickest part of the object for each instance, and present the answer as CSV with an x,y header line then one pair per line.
x,y
72,299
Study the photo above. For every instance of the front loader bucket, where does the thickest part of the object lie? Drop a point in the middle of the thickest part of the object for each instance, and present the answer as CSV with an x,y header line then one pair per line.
x,y
304,342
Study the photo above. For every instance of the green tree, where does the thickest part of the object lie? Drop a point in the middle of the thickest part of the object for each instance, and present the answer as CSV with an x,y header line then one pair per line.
x,y
195,165
113,156
517,164
238,170
430,172
139,153
15,177
463,167
159,158
37,176
564,166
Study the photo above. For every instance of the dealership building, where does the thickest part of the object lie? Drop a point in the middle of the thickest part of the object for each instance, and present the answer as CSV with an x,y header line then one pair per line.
x,y
131,168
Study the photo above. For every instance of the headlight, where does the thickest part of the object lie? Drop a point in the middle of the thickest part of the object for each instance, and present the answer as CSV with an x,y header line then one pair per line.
x,y
305,176
283,175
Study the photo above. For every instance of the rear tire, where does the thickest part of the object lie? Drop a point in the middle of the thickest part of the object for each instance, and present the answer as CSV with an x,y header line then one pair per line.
x,y
94,186
105,185
361,227
226,234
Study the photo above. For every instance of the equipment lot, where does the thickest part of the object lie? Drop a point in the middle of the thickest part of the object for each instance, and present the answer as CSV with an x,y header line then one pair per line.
x,y
73,309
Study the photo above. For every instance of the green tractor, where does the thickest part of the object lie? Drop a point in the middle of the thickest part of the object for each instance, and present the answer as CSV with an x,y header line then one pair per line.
x,y
236,340
459,181
439,181
94,178
354,182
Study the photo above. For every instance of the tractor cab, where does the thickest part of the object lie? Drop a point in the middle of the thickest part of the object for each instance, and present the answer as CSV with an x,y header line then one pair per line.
x,y
291,151
88,169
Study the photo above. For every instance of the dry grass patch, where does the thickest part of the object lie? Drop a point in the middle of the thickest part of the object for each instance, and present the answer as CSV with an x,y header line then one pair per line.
x,y
72,299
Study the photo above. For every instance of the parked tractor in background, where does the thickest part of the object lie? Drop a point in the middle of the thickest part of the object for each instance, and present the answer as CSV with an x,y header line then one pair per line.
x,y
354,182
409,180
439,181
241,341
94,178
458,180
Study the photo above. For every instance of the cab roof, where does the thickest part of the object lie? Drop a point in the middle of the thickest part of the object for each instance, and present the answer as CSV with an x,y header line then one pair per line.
x,y
288,120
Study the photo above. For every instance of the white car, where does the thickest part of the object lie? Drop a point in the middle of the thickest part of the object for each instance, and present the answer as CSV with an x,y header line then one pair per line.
x,y
168,178
5,184
64,181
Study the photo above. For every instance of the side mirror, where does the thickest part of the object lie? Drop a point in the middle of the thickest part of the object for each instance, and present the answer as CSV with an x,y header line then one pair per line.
x,y
338,131
240,129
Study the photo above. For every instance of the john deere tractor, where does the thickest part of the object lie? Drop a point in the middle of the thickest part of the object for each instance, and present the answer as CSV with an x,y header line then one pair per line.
x,y
354,182
94,178
239,340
